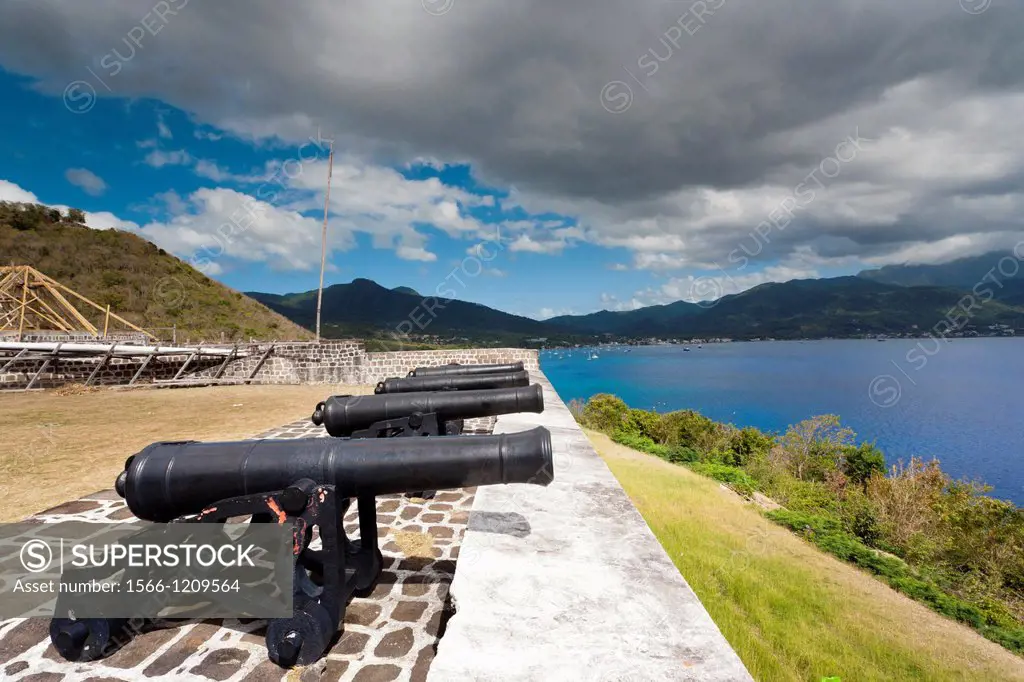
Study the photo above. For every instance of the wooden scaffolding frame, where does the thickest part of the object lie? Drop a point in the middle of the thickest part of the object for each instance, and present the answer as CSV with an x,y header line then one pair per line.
x,y
31,301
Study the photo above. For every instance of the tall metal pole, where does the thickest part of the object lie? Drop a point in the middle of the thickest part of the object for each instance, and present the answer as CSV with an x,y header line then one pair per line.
x,y
323,241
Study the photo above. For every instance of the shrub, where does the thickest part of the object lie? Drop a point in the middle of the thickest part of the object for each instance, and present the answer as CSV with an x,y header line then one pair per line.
x,y
638,442
76,215
862,462
604,412
686,427
906,500
680,454
737,479
644,423
750,443
815,446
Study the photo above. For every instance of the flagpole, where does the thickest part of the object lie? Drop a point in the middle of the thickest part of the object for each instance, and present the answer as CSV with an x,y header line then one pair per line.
x,y
323,241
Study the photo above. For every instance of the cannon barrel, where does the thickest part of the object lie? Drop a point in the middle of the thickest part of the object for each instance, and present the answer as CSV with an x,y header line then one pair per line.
x,y
168,480
341,415
453,382
463,370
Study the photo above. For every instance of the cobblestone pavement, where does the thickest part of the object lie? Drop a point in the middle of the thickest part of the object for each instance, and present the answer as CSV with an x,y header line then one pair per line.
x,y
390,635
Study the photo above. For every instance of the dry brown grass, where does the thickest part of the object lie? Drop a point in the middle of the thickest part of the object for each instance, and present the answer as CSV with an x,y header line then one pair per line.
x,y
791,611
56,448
414,544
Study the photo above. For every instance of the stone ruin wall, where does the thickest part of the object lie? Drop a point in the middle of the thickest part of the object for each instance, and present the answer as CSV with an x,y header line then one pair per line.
x,y
330,362
118,371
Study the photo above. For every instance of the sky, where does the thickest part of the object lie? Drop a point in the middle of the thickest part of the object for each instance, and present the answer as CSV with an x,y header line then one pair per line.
x,y
539,157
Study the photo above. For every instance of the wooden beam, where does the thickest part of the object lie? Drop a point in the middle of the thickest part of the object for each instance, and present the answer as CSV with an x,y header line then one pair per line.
x,y
53,291
227,359
13,360
96,370
97,306
42,367
24,297
188,360
145,363
259,363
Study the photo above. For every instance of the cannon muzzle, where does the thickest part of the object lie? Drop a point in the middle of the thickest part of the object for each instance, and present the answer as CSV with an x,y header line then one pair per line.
x,y
341,415
169,480
464,370
453,382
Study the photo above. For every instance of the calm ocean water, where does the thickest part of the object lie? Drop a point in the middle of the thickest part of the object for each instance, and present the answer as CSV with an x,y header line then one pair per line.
x,y
960,401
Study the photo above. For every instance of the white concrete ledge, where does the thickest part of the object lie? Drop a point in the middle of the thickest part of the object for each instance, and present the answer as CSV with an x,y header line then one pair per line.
x,y
567,582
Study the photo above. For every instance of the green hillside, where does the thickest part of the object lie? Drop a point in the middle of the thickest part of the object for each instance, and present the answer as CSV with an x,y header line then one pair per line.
x,y
142,283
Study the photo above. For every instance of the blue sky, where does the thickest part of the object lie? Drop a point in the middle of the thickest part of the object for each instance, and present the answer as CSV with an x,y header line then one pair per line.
x,y
143,149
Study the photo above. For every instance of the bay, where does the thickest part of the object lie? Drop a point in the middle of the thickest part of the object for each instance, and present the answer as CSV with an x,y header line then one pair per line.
x,y
959,401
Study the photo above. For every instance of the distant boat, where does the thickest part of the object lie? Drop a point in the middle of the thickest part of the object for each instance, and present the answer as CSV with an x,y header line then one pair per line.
x,y
593,356
699,346
687,349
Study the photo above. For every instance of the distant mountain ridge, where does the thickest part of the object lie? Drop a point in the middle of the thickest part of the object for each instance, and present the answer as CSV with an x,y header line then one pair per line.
x,y
363,307
811,308
1000,272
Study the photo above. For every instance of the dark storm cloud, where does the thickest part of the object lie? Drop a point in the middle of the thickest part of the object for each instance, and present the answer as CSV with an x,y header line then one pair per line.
x,y
748,96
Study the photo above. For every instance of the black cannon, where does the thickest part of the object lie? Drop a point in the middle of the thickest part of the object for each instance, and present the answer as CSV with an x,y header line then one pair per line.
x,y
456,369
305,483
369,416
453,382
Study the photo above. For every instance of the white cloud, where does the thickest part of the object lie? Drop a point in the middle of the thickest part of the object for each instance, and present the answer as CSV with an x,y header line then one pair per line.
x,y
714,285
201,134
89,182
12,192
159,158
414,253
225,223
526,243
210,170
163,130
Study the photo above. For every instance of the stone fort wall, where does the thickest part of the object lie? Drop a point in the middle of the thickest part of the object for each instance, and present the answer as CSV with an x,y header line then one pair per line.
x,y
330,362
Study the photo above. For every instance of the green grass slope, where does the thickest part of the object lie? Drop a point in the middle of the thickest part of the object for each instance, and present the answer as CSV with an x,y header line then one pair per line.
x,y
791,612
144,284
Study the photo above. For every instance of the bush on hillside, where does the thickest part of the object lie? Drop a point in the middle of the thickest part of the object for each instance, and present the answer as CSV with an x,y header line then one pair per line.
x,y
861,462
692,429
815,446
641,443
736,478
604,412
643,423
750,443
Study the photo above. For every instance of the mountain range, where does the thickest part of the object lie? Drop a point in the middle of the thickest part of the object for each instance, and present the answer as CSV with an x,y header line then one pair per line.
x,y
889,301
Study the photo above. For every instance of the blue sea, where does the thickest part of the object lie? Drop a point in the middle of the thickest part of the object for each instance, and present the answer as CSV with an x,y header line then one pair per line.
x,y
960,401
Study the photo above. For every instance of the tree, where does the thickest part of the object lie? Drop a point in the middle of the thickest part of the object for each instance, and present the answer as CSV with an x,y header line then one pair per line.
x,y
605,412
76,215
815,446
861,462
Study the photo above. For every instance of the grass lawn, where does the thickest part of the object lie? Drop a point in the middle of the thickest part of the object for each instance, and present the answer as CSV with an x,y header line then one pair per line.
x,y
57,448
790,611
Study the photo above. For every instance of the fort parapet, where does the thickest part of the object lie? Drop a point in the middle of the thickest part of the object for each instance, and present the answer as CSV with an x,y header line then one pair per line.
x,y
329,362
